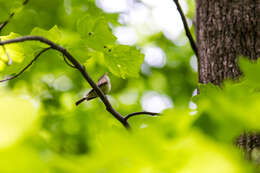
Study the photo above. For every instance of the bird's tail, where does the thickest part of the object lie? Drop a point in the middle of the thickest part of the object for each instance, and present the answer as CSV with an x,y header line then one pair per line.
x,y
80,101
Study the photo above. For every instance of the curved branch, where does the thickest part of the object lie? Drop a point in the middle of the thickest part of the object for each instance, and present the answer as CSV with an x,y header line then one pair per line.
x,y
26,67
140,113
77,65
186,27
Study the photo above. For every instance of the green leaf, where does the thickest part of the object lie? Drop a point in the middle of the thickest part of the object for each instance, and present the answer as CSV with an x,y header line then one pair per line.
x,y
53,34
95,32
123,61
11,53
233,103
8,7
30,163
206,90
251,71
17,115
76,46
3,13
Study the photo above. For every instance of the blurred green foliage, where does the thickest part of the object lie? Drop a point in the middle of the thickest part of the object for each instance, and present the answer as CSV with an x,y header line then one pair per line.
x,y
42,130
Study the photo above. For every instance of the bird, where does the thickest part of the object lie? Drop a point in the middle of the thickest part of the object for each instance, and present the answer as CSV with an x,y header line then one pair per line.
x,y
103,83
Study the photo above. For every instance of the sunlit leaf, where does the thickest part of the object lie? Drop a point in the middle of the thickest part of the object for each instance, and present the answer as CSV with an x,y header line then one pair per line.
x,y
124,61
17,116
11,53
95,32
53,34
251,71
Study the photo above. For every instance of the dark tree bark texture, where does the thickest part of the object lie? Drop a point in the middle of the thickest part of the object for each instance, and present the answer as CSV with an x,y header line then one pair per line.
x,y
226,29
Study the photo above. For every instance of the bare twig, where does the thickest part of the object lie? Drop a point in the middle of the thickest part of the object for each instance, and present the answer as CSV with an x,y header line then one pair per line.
x,y
186,27
140,113
26,67
10,17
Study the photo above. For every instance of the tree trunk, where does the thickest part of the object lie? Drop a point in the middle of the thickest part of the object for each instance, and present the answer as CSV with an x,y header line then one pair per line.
x,y
226,29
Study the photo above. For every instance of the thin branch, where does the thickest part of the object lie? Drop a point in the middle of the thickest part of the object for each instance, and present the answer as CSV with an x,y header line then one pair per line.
x,y
68,62
26,67
81,69
140,113
7,21
77,65
10,17
186,27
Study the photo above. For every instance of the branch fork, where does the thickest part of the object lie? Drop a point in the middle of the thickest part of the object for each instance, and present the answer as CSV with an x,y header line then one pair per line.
x,y
72,62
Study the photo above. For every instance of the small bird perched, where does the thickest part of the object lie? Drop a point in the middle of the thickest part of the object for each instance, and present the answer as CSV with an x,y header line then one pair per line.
x,y
103,83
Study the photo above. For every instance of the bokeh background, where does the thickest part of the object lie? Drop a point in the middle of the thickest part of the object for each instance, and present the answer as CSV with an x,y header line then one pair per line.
x,y
41,129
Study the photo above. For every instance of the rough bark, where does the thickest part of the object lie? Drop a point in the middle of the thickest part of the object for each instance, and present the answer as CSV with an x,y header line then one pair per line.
x,y
249,141
226,29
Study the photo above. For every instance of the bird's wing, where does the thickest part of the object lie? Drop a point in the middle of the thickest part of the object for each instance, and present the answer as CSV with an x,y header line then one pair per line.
x,y
103,80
